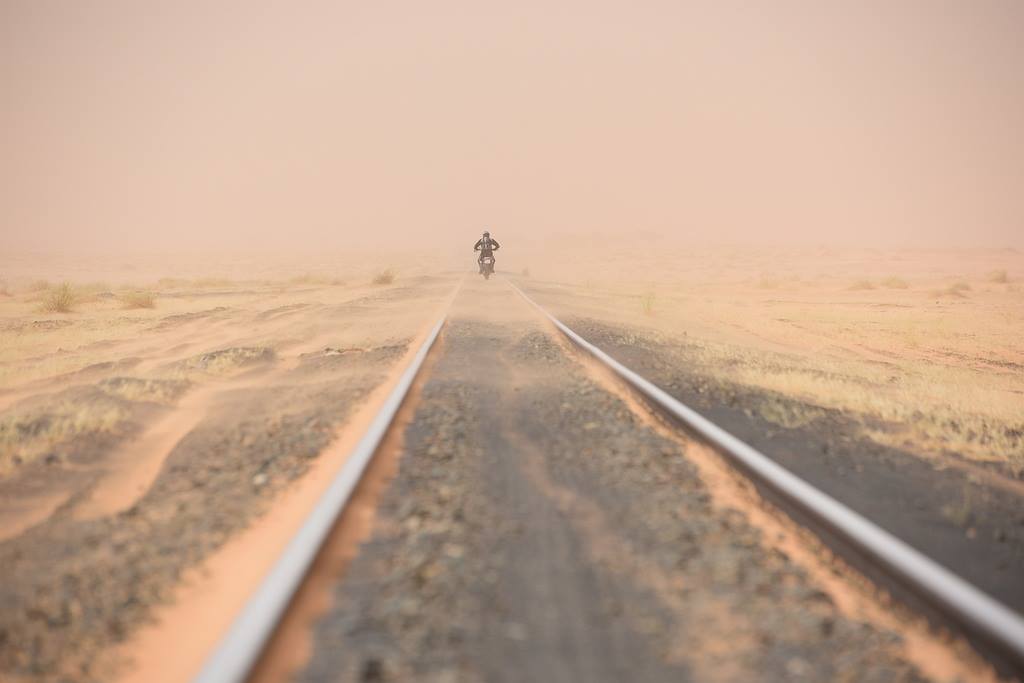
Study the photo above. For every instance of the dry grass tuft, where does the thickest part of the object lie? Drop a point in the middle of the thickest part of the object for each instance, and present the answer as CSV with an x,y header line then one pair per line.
x,y
894,282
223,361
165,391
769,282
385,277
59,299
861,285
788,413
968,416
999,276
31,433
139,299
39,286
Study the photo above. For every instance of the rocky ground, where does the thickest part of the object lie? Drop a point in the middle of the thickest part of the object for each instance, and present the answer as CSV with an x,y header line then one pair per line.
x,y
960,516
538,530
73,587
76,584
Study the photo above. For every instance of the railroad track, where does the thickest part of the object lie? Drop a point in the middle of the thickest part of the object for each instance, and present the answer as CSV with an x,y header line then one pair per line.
x,y
947,600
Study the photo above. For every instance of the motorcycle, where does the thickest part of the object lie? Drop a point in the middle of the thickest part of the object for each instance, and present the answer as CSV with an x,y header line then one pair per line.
x,y
487,267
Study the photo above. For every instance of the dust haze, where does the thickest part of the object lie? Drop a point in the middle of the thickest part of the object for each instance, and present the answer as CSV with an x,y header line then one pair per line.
x,y
227,227
230,127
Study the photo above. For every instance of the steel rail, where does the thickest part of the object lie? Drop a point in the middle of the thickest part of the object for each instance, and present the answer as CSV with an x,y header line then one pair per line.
x,y
976,614
234,657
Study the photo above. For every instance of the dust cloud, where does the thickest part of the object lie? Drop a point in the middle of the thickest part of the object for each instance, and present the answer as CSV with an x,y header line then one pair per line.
x,y
232,126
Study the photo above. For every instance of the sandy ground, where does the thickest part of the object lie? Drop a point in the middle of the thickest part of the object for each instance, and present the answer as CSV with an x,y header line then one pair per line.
x,y
138,445
538,528
137,442
893,435
923,348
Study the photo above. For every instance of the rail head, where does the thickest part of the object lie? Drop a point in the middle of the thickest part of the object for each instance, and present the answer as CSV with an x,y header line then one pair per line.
x,y
976,614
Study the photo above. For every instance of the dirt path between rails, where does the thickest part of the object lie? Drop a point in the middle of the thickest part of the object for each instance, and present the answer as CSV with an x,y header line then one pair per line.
x,y
538,529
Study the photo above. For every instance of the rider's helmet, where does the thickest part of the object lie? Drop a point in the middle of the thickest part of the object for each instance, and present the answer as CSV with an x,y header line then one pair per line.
x,y
486,234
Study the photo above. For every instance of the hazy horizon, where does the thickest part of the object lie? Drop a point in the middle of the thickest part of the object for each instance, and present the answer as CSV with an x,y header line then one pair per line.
x,y
142,126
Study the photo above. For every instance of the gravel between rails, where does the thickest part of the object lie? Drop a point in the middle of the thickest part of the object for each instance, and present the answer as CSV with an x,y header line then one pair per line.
x,y
536,530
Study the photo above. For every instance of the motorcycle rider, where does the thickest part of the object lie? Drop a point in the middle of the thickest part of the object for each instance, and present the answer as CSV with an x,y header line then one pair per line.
x,y
486,246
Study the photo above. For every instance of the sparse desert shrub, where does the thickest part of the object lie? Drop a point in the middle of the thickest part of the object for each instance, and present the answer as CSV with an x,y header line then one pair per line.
x,y
999,276
384,277
861,285
165,391
138,299
225,361
5,290
769,282
39,286
29,433
59,299
788,413
894,282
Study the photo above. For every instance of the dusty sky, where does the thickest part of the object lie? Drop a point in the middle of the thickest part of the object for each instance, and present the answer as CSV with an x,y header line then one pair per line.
x,y
139,125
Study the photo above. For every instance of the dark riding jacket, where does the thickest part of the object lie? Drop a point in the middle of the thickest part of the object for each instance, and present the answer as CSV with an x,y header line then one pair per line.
x,y
486,246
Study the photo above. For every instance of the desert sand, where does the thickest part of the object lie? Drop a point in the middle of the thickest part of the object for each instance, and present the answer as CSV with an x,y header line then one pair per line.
x,y
924,346
155,425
